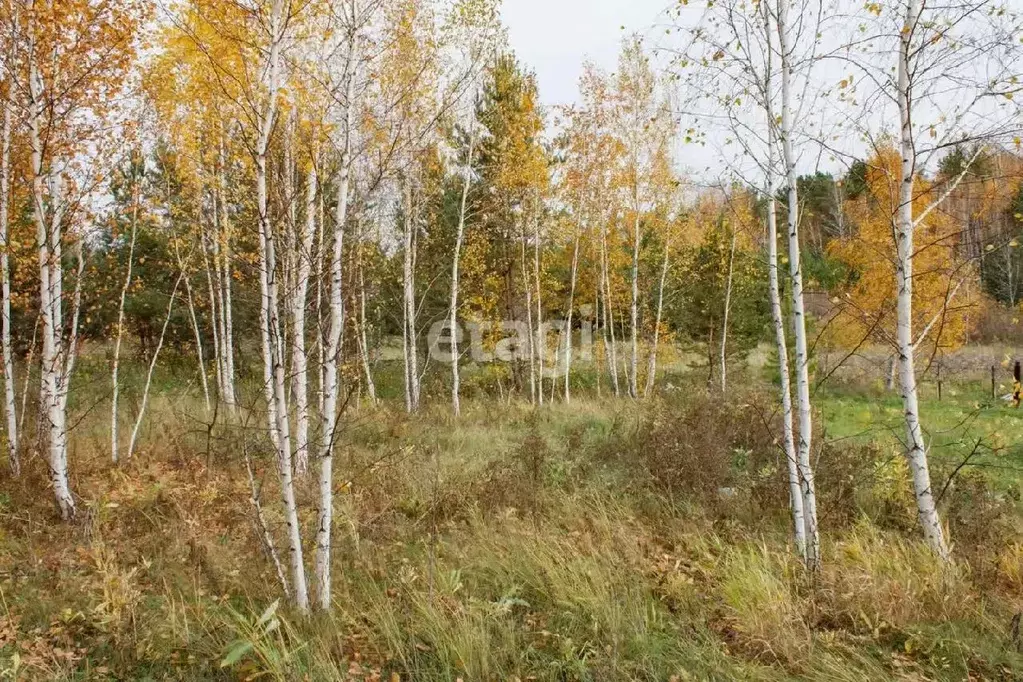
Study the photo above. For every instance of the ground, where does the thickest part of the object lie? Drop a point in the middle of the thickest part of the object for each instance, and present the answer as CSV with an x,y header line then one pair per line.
x,y
601,540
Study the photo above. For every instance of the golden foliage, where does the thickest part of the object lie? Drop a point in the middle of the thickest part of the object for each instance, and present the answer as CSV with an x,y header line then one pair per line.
x,y
943,290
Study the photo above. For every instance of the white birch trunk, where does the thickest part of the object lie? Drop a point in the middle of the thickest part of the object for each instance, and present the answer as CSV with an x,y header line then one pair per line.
x,y
777,316
320,336
916,453
798,312
528,293
541,341
270,330
263,528
209,253
223,266
568,322
634,309
197,333
453,319
10,410
214,277
612,361
596,321
651,370
781,343
728,309
329,417
71,352
405,349
367,369
299,359
218,279
116,385
331,390
194,319
409,302
152,368
289,258
51,325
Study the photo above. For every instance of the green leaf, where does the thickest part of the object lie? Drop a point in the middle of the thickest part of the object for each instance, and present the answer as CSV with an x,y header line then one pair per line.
x,y
235,653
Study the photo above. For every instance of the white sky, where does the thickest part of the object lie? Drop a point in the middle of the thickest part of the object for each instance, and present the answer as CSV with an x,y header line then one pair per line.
x,y
555,37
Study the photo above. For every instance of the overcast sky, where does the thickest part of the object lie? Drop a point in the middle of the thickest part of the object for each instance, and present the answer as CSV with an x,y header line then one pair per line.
x,y
555,37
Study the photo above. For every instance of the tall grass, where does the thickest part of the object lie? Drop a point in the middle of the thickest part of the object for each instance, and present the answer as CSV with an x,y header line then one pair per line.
x,y
555,544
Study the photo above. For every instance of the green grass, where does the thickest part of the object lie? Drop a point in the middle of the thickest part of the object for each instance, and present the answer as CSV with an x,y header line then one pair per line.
x,y
965,422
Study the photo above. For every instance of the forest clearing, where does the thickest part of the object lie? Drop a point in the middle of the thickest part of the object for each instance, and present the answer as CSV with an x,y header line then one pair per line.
x,y
335,348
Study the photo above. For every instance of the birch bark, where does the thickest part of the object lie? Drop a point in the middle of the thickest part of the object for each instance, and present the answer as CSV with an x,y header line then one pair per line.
x,y
541,341
777,316
331,388
802,370
10,410
722,351
152,367
459,236
409,301
299,358
916,453
222,262
609,334
270,328
116,387
49,284
634,307
367,368
568,322
651,370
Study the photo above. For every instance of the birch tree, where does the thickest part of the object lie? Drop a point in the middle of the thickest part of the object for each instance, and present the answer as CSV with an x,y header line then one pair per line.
x,y
6,130
594,153
134,173
299,301
651,369
453,328
47,240
152,367
641,123
723,348
345,91
476,25
579,186
786,52
747,55
249,43
777,316
200,108
221,302
270,317
956,71
76,55
408,79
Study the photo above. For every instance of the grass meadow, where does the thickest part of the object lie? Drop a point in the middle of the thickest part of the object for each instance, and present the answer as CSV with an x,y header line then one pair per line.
x,y
601,540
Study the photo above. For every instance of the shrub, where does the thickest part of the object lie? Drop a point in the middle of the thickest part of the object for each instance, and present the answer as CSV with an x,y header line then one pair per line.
x,y
716,452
